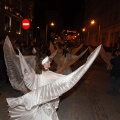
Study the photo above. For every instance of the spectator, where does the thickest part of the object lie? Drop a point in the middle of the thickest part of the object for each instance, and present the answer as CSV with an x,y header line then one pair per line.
x,y
115,73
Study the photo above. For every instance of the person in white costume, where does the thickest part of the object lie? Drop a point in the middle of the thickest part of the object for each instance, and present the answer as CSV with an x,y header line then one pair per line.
x,y
64,61
34,80
41,103
60,59
45,89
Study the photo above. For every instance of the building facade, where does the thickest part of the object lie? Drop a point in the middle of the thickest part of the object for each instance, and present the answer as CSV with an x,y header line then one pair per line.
x,y
12,12
106,30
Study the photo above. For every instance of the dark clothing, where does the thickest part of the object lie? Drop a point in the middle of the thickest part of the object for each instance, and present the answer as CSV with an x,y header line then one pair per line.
x,y
115,75
116,66
64,52
114,86
1,53
3,71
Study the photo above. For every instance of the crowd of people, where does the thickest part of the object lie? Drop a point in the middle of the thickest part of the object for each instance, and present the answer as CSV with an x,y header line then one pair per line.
x,y
42,83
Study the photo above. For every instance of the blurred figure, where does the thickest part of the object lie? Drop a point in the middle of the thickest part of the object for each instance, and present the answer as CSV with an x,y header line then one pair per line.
x,y
115,73
62,57
34,51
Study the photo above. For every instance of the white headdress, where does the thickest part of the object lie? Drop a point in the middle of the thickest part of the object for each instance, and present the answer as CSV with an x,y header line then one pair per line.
x,y
45,60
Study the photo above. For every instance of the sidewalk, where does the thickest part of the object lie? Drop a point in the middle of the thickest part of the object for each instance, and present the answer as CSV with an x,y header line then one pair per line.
x,y
88,100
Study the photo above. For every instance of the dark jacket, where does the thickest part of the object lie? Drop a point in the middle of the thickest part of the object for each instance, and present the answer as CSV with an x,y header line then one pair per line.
x,y
1,52
116,66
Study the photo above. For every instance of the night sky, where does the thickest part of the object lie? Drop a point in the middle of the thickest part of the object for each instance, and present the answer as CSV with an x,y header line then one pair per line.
x,y
64,13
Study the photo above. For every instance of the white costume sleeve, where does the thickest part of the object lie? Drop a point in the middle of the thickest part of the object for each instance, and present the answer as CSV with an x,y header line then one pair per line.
x,y
54,90
69,63
21,75
13,67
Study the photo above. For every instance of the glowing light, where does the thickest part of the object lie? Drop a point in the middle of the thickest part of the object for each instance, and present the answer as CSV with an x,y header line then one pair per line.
x,y
83,29
52,24
92,22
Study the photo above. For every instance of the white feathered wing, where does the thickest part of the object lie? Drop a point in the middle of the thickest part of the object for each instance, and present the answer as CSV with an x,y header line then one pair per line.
x,y
13,67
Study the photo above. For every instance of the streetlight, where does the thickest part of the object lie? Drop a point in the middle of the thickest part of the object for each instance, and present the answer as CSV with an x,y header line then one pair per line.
x,y
47,25
92,22
52,24
99,29
83,30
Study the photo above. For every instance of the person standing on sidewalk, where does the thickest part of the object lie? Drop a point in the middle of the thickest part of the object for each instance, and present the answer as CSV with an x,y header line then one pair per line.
x,y
115,73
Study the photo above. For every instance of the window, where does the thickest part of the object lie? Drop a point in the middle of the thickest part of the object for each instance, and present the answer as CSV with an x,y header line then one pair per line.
x,y
18,27
7,25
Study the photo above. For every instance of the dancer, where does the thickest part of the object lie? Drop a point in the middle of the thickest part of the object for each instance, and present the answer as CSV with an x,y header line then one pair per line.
x,y
35,79
44,85
45,88
64,61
